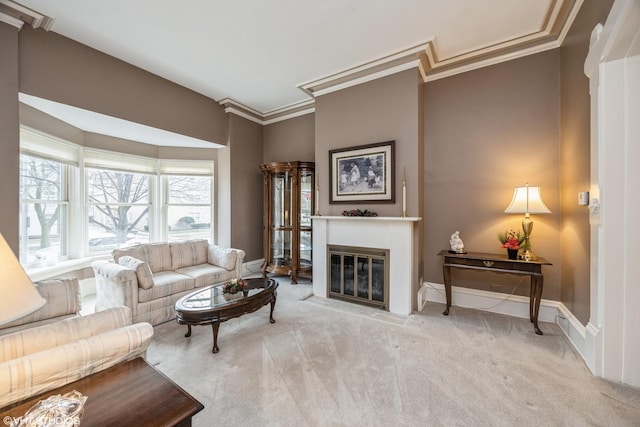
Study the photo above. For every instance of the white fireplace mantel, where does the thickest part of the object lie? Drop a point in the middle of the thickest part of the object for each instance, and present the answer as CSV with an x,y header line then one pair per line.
x,y
394,233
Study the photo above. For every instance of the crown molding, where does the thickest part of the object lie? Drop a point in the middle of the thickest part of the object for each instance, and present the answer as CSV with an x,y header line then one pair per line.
x,y
8,19
432,66
16,14
277,115
428,61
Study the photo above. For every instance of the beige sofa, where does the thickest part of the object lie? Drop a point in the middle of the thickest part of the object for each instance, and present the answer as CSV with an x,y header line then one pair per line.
x,y
150,278
62,298
41,358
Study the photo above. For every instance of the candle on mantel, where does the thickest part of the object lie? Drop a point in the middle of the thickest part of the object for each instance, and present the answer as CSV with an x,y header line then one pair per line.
x,y
404,192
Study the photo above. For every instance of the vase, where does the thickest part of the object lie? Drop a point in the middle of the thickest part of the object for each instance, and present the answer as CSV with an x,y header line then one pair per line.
x,y
512,253
230,297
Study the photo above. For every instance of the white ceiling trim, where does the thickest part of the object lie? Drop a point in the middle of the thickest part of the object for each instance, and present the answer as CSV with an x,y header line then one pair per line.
x,y
24,14
8,19
369,77
273,116
491,61
290,116
432,67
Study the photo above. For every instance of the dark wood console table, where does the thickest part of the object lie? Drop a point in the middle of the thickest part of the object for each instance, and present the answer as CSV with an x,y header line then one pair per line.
x,y
497,264
131,393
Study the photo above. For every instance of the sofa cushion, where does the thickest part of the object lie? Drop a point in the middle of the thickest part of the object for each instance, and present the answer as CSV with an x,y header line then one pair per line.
x,y
222,257
206,274
62,296
136,251
142,269
157,255
186,254
166,283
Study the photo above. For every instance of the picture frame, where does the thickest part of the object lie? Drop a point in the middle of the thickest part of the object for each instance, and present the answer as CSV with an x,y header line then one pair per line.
x,y
362,174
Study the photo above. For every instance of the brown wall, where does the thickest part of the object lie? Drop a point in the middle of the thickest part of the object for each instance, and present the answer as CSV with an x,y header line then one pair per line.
x,y
245,142
486,132
9,135
381,110
59,69
290,140
575,162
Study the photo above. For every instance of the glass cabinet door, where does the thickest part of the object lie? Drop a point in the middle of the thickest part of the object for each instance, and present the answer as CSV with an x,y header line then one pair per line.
x,y
306,209
281,219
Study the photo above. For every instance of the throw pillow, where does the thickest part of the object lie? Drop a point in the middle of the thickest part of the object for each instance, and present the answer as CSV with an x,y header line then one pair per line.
x,y
222,257
142,269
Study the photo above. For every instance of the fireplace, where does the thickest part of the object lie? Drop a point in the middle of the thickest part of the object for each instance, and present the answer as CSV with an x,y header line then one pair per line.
x,y
358,274
394,235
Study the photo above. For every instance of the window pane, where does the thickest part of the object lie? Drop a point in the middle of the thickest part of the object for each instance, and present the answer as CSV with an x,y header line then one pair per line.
x,y
189,222
42,233
43,211
41,179
190,190
112,226
118,209
189,210
117,187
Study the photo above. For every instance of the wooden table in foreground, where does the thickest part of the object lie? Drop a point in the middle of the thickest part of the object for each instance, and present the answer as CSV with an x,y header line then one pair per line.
x,y
497,264
131,393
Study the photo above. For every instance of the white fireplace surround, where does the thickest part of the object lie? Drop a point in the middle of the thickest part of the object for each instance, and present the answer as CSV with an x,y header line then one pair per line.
x,y
394,233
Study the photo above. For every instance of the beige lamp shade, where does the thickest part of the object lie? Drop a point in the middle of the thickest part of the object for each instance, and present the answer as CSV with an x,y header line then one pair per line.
x,y
527,200
18,296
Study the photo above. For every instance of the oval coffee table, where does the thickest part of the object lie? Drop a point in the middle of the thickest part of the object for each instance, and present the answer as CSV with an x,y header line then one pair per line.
x,y
210,306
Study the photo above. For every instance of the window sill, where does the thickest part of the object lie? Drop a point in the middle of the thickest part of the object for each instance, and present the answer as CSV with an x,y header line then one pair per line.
x,y
62,267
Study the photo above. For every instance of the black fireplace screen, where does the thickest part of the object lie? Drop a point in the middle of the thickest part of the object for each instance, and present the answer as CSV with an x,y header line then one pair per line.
x,y
359,274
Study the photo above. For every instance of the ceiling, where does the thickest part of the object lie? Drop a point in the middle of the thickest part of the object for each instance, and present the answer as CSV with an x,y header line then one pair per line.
x,y
272,55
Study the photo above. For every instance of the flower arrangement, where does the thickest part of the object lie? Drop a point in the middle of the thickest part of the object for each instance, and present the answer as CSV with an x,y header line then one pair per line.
x,y
233,286
511,239
358,212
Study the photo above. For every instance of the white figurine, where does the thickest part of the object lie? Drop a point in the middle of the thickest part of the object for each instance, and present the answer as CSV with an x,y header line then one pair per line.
x,y
457,245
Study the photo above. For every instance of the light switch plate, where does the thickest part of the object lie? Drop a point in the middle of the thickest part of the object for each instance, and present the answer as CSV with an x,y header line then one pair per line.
x,y
583,198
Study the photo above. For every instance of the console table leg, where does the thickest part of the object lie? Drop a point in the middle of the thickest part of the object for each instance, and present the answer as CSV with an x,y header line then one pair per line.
x,y
215,326
532,298
446,273
538,296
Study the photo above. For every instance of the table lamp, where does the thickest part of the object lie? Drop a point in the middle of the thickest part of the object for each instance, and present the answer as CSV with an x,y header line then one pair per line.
x,y
19,296
527,200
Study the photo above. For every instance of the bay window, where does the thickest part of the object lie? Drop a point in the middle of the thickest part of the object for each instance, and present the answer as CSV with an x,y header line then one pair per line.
x,y
77,201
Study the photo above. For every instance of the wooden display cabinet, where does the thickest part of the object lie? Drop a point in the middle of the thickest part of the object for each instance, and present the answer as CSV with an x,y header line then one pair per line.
x,y
289,203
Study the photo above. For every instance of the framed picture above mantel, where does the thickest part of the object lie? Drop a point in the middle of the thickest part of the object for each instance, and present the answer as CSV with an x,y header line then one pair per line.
x,y
362,174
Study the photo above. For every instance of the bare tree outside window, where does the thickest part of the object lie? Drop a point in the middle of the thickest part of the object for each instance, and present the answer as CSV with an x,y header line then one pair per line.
x,y
43,206
118,208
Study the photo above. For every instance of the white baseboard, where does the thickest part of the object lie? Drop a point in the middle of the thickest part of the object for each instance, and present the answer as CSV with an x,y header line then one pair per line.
x,y
511,305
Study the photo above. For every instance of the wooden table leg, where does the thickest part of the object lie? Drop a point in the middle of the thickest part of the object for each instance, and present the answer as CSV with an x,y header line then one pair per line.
x,y
446,272
532,297
538,280
215,326
273,305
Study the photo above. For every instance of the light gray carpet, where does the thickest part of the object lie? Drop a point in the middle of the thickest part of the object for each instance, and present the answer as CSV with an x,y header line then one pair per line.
x,y
330,363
